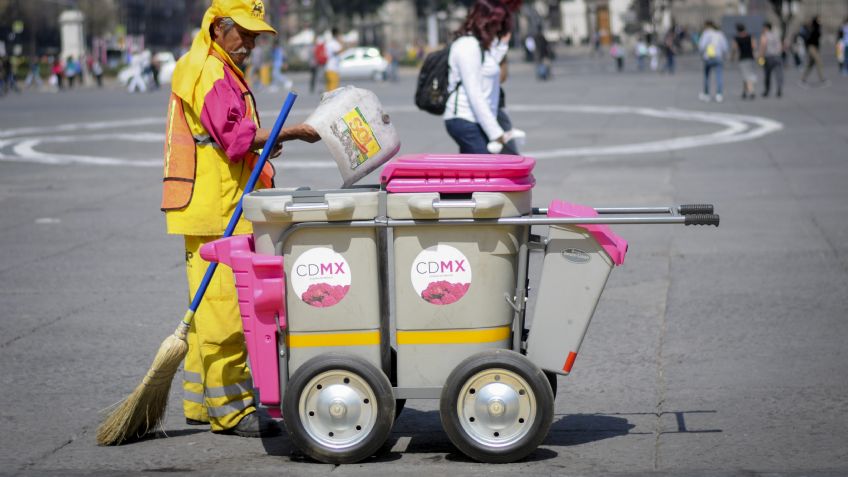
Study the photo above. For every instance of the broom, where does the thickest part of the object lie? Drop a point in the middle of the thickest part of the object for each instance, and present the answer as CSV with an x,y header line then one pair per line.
x,y
144,408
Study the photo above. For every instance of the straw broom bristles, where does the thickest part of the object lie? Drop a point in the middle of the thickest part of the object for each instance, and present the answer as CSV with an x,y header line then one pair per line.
x,y
144,409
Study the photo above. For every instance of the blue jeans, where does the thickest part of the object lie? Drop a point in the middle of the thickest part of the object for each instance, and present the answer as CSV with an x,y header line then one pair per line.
x,y
469,136
718,66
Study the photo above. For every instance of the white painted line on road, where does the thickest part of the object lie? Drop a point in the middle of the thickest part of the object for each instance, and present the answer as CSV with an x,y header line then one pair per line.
x,y
736,128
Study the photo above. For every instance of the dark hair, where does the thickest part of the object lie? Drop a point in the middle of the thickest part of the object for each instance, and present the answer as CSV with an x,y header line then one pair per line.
x,y
709,24
740,27
334,31
487,20
767,25
512,5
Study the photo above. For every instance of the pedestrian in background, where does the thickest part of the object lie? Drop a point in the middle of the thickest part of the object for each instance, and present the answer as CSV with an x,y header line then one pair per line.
x,y
713,48
33,78
771,55
317,60
333,47
669,47
393,55
844,31
812,43
474,77
72,71
743,50
58,71
543,56
97,71
617,53
278,67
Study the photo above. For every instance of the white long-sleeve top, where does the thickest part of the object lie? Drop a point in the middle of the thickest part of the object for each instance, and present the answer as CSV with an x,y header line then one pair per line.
x,y
476,100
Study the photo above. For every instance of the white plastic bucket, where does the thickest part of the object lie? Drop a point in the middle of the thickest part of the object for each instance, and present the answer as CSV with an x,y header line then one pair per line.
x,y
357,131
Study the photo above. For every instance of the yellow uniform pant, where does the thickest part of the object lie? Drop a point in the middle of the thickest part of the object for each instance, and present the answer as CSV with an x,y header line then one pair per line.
x,y
332,80
217,386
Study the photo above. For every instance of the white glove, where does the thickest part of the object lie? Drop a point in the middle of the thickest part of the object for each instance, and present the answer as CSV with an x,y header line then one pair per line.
x,y
520,137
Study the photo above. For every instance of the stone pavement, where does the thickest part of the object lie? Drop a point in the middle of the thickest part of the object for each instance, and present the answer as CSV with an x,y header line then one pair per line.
x,y
712,352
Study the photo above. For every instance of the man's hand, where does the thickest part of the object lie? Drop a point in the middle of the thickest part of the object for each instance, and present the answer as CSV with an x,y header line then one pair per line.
x,y
303,132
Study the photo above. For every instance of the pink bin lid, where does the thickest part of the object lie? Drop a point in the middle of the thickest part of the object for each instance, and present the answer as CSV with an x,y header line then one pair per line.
x,y
614,245
458,173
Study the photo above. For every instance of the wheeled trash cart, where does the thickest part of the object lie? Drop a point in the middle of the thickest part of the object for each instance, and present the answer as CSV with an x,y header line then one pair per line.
x,y
355,300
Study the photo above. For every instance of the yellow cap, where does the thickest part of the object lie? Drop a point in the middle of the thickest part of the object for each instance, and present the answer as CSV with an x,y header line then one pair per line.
x,y
248,14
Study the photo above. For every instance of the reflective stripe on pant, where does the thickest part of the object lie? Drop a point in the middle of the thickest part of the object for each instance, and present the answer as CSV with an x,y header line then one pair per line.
x,y
216,384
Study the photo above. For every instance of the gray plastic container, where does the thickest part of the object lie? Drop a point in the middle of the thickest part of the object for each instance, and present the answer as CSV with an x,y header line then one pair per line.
x,y
451,282
574,273
332,284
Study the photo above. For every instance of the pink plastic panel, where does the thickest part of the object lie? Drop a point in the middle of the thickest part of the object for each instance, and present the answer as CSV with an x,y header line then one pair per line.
x,y
614,245
460,185
260,285
426,166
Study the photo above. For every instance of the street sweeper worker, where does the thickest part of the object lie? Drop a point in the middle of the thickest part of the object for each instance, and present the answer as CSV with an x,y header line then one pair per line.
x,y
213,139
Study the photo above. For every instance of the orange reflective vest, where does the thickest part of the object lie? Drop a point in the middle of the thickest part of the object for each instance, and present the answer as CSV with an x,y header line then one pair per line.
x,y
181,150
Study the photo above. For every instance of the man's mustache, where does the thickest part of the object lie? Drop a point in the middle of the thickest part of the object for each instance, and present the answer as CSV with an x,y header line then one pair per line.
x,y
240,51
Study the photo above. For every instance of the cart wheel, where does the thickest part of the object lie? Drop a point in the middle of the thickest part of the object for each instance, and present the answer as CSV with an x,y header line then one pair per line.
x,y
497,406
338,409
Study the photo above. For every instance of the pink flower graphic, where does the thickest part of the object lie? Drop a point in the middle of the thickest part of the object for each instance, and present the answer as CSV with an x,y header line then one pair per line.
x,y
323,295
444,293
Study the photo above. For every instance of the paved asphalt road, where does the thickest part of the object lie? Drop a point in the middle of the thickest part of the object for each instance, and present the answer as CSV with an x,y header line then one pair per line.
x,y
712,352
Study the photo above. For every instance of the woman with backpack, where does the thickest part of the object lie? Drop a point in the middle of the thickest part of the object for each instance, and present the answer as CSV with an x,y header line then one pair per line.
x,y
474,77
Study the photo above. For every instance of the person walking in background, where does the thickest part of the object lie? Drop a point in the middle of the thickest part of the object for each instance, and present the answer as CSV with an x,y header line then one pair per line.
x,y
669,47
812,44
317,60
771,55
33,78
58,73
617,53
474,77
743,50
543,56
713,48
278,66
97,71
333,46
393,55
72,71
844,31
10,81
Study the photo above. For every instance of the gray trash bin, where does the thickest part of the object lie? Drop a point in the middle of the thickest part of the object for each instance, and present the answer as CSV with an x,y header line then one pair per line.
x,y
332,284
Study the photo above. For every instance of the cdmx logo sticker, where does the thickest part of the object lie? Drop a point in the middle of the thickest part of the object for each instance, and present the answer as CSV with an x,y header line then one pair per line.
x,y
320,277
441,274
258,9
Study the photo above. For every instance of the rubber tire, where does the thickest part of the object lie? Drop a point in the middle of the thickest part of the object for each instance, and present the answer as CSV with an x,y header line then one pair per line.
x,y
375,378
539,385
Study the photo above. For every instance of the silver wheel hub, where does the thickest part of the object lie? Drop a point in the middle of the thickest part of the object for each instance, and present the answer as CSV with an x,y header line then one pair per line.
x,y
496,407
338,409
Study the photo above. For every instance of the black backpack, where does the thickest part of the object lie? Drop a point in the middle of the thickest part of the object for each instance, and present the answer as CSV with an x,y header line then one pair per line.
x,y
432,93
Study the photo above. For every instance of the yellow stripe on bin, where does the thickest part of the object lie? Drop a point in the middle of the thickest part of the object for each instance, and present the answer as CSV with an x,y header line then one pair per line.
x,y
486,335
360,338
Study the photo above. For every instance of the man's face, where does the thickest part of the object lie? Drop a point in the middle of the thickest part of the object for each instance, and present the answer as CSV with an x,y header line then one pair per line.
x,y
237,42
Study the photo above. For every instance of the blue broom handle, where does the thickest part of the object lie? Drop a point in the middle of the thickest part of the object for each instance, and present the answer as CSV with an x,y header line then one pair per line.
x,y
251,183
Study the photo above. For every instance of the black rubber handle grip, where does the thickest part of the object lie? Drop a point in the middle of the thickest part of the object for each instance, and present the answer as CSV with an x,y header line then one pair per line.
x,y
690,209
702,219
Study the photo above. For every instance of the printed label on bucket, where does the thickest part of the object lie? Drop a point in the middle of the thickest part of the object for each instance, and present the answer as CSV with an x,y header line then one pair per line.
x,y
441,275
320,277
363,137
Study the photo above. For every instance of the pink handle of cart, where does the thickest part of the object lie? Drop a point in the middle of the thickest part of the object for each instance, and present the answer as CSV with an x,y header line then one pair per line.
x,y
260,285
614,245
